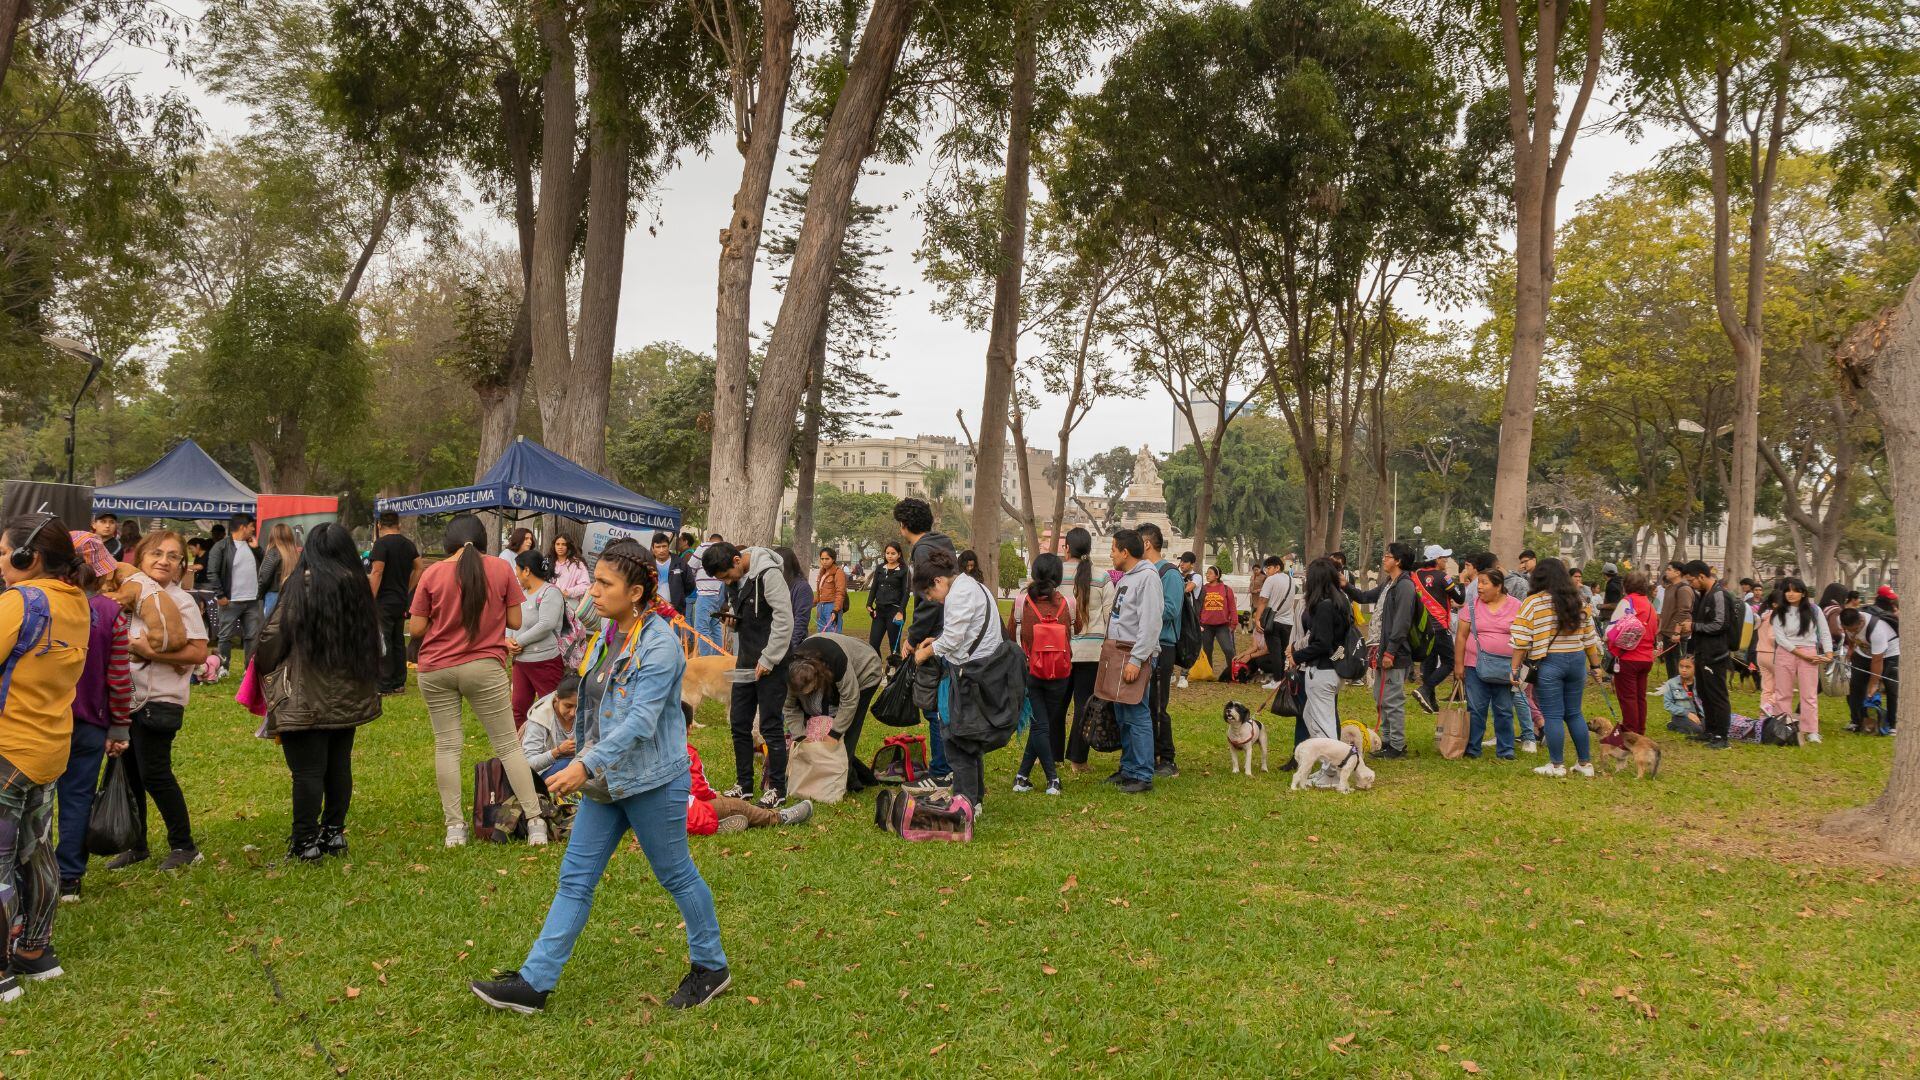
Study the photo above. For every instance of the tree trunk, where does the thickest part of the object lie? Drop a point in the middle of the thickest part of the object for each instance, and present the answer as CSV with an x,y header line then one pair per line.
x,y
739,248
375,234
262,463
803,486
500,397
583,436
1885,357
553,241
1028,515
1203,510
12,14
748,513
1003,336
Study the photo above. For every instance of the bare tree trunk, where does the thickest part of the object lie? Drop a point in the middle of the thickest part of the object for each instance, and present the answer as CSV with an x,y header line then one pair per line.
x,y
748,512
553,242
803,487
376,233
1203,510
1023,468
1884,357
729,511
262,463
583,436
1003,336
1538,168
12,14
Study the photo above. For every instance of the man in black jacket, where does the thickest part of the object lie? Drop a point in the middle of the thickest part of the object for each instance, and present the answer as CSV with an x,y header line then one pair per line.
x,y
233,573
1393,656
1713,632
676,576
915,519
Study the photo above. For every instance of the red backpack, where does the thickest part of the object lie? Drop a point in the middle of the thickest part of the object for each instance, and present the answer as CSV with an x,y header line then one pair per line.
x,y
1052,654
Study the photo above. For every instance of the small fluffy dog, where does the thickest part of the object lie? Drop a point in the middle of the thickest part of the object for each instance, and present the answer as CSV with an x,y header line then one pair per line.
x,y
1640,750
1244,733
1342,756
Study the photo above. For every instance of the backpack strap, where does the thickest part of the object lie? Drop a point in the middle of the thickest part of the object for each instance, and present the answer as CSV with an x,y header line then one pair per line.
x,y
36,623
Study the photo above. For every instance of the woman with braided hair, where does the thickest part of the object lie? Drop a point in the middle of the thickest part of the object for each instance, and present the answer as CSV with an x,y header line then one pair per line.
x,y
634,773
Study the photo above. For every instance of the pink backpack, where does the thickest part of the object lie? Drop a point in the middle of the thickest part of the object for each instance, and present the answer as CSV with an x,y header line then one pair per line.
x,y
1627,631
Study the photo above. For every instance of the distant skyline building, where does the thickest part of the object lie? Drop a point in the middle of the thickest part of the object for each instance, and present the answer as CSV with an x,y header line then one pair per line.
x,y
1204,414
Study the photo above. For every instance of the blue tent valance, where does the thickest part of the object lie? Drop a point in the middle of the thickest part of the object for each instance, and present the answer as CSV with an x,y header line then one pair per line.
x,y
531,479
185,483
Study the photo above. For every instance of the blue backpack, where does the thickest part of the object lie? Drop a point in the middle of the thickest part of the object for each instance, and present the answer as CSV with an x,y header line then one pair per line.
x,y
36,622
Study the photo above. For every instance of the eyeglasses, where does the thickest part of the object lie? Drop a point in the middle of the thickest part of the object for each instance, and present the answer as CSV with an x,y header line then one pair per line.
x,y
165,557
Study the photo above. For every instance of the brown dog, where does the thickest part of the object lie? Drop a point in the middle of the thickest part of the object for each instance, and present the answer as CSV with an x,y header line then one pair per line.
x,y
705,677
1642,751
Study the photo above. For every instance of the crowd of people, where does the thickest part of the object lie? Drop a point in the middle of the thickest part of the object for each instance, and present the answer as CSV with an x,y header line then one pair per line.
x,y
575,669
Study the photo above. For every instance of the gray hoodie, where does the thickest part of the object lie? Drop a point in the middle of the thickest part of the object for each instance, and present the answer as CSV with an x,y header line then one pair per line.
x,y
766,578
1137,611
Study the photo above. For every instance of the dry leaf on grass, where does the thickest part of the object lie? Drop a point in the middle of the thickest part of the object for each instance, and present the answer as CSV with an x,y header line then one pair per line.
x,y
352,992
1072,882
1471,1067
1049,969
936,1050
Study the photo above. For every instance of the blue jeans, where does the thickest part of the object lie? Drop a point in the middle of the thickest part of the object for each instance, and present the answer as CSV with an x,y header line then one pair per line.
x,y
1562,685
77,787
706,620
1136,739
553,770
1484,700
658,818
826,618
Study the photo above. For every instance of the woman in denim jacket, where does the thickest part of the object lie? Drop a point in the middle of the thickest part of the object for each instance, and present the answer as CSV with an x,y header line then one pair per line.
x,y
633,773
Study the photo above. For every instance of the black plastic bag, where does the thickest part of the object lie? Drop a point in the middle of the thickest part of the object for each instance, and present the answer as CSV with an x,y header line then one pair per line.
x,y
1780,731
894,705
1288,695
113,827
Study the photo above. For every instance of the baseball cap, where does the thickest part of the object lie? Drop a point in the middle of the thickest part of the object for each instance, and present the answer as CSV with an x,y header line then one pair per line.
x,y
93,551
1609,568
1435,551
1885,592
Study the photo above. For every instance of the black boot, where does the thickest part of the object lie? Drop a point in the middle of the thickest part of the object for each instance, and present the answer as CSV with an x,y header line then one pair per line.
x,y
333,840
306,849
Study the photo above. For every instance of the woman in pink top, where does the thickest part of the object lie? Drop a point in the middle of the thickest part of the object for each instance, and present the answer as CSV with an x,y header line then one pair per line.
x,y
462,609
1483,661
1631,667
570,573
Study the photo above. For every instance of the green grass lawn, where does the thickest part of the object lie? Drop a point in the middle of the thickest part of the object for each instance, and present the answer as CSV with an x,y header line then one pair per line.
x,y
1459,912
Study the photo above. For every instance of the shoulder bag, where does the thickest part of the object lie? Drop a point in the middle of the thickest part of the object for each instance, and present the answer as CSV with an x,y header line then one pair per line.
x,y
1110,678
1490,668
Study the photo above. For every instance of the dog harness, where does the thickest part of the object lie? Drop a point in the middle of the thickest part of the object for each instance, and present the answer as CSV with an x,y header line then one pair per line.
x,y
1252,734
1352,752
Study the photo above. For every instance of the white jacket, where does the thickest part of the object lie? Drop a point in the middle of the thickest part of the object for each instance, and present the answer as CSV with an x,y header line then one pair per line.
x,y
541,734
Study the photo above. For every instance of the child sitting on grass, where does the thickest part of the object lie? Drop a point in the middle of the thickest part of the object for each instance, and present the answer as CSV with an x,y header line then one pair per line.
x,y
547,737
709,813
1682,701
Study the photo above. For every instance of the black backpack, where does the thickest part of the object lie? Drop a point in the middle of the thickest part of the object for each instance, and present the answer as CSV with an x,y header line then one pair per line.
x,y
1186,644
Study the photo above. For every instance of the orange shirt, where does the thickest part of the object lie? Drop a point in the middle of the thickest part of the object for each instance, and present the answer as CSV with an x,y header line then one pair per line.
x,y
36,725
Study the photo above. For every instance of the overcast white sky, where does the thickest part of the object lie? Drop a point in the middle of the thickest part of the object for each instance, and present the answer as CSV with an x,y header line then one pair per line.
x,y
936,365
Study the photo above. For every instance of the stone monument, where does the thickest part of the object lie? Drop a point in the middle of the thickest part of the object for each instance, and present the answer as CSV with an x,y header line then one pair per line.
x,y
1146,501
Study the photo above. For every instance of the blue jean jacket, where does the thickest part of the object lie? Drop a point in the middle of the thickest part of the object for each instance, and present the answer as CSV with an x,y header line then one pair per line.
x,y
639,740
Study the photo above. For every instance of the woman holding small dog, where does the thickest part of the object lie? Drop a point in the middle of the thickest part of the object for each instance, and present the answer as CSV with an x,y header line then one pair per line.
x,y
1800,646
1555,634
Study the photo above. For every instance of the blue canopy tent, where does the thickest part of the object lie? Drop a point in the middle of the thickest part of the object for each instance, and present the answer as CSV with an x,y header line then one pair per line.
x,y
184,483
531,479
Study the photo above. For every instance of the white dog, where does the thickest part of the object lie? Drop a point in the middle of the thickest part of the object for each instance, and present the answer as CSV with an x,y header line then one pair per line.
x,y
1342,757
1244,733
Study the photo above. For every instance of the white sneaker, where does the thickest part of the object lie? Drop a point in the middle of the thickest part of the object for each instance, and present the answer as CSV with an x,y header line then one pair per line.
x,y
1584,770
1549,769
537,832
1183,682
456,836
1271,684
1529,747
1813,736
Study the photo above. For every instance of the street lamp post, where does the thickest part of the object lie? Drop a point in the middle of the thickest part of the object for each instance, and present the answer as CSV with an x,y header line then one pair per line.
x,y
79,352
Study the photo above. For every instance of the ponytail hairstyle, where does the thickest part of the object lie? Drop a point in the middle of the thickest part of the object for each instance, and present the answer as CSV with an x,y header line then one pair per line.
x,y
634,565
1080,549
1045,583
466,543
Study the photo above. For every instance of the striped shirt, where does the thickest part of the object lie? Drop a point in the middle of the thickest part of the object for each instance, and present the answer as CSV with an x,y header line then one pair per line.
x,y
1536,631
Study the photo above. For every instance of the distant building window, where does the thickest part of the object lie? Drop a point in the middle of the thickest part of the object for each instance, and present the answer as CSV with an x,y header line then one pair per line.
x,y
863,487
913,488
969,486
883,458
886,488
863,457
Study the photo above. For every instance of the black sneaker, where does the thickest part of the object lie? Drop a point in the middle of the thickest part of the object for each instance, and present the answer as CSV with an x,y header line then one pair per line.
x,y
180,857
1390,752
127,858
699,987
333,840
1425,697
44,966
306,851
1130,786
1718,744
70,891
509,992
1114,778
1166,770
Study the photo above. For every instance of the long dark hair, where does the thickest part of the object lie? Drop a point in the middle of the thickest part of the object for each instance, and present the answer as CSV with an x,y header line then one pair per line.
x,y
1080,549
1834,593
466,542
326,606
1550,576
48,538
1323,583
970,565
1047,572
1805,607
894,546
790,565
